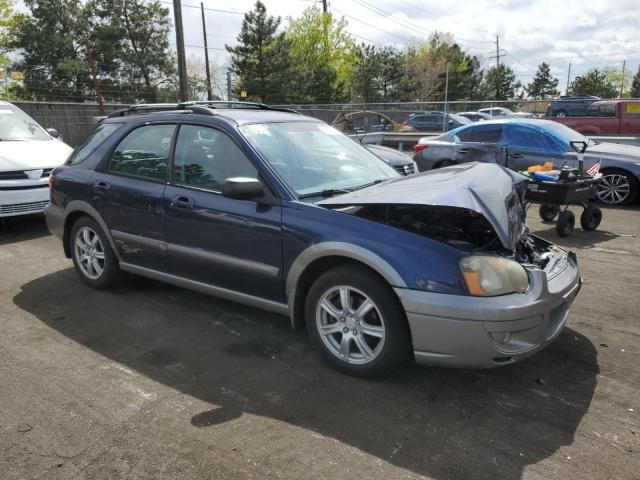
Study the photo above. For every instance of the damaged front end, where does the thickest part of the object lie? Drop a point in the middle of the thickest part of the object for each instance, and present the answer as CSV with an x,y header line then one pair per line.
x,y
475,207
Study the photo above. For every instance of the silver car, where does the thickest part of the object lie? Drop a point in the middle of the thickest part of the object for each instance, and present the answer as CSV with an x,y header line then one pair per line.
x,y
520,143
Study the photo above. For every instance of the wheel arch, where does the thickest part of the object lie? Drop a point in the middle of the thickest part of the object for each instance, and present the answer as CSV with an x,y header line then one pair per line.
x,y
76,210
321,257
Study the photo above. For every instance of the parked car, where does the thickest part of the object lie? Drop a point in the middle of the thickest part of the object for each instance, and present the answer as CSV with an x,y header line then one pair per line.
x,y
475,116
607,117
502,112
570,105
531,142
281,211
435,121
28,153
399,161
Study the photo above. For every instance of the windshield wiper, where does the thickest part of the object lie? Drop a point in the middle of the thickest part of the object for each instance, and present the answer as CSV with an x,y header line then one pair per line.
x,y
329,192
375,182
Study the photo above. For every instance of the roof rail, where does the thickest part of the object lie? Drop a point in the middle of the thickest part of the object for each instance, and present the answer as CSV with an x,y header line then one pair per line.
x,y
236,104
199,107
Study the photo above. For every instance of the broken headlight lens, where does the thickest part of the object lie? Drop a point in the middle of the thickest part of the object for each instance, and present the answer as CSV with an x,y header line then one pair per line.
x,y
488,276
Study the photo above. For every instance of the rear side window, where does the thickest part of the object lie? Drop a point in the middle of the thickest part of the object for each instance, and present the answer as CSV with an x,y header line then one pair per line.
x,y
529,138
482,134
93,141
144,153
608,110
206,157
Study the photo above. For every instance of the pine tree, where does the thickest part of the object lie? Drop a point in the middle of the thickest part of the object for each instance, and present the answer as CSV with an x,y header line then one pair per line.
x,y
499,83
594,82
543,85
635,85
261,58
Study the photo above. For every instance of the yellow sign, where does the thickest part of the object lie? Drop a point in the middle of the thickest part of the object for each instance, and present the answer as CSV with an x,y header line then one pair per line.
x,y
633,107
243,94
3,74
17,76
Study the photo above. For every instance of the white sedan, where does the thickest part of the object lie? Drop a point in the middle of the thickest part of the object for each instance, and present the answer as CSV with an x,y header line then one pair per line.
x,y
502,112
28,154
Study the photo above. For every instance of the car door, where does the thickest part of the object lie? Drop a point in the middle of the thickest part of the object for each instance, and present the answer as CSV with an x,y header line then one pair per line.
x,y
228,243
480,143
129,194
528,146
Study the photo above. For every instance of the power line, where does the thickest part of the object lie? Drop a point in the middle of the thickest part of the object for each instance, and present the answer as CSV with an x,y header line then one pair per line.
x,y
207,8
369,25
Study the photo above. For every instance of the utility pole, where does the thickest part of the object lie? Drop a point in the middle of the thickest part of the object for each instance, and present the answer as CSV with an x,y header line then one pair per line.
x,y
568,79
446,95
498,51
624,64
229,92
206,54
324,6
96,82
182,60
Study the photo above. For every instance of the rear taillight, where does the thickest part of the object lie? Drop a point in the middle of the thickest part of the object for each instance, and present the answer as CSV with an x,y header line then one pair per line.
x,y
50,181
405,123
419,147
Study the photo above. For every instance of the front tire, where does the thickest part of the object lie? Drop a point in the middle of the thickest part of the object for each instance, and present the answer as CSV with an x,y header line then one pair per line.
x,y
548,212
565,223
617,187
92,255
590,218
356,321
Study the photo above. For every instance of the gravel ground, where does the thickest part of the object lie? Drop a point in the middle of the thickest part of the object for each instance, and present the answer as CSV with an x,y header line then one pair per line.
x,y
151,381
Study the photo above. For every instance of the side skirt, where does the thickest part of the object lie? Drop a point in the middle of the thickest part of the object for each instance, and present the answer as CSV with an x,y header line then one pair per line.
x,y
205,288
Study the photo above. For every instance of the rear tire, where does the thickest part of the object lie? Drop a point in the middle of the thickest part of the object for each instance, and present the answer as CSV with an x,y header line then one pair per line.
x,y
93,258
565,223
590,218
356,322
548,212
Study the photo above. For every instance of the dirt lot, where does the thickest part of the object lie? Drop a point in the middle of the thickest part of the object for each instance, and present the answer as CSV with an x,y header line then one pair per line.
x,y
150,381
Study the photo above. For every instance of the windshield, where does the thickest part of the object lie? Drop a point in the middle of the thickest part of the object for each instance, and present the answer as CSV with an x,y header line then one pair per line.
x,y
459,118
17,125
313,158
569,134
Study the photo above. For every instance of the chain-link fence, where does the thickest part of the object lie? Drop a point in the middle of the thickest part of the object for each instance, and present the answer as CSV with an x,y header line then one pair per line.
x,y
72,120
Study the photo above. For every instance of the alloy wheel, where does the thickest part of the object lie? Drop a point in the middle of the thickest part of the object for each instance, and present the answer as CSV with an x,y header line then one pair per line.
x,y
350,325
614,188
89,252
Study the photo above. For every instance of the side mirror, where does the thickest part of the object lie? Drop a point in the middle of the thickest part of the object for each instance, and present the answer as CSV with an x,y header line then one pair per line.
x,y
53,132
242,188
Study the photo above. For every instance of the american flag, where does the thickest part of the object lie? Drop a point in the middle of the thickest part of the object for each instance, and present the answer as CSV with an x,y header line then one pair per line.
x,y
594,169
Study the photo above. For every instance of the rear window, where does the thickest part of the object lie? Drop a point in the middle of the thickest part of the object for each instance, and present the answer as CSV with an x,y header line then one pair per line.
x,y
93,141
481,134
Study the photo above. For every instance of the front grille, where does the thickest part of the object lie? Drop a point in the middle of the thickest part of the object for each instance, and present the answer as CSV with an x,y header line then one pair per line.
x,y
21,174
15,208
408,169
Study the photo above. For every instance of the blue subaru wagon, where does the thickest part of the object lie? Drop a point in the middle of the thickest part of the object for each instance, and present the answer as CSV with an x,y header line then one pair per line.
x,y
280,211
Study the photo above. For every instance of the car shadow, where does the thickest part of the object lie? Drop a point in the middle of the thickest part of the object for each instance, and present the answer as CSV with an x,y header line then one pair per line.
x,y
578,239
446,424
22,228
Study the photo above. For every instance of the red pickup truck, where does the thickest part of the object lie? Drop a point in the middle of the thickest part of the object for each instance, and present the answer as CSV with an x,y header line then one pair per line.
x,y
608,117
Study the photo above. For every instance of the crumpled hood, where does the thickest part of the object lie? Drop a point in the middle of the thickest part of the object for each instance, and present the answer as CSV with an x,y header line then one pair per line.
x,y
487,189
32,154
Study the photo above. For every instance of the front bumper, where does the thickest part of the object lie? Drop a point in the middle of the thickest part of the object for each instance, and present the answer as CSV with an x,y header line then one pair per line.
x,y
481,332
24,201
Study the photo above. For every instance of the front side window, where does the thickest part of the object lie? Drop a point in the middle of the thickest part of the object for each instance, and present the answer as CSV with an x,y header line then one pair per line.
x,y
528,138
17,125
312,157
206,157
144,153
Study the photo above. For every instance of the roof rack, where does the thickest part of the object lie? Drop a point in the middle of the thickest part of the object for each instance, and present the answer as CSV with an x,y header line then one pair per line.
x,y
200,107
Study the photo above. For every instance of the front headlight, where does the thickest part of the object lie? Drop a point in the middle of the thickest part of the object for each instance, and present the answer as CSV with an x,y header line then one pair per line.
x,y
489,276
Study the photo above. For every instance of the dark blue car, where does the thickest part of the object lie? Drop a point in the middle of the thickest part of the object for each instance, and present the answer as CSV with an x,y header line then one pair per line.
x,y
280,211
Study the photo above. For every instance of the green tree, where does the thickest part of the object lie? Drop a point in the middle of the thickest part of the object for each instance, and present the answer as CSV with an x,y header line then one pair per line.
x,y
543,85
595,82
323,57
635,85
377,74
9,23
261,58
500,83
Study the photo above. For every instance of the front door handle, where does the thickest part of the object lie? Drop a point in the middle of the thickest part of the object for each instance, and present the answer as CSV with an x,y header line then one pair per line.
x,y
515,155
181,201
100,186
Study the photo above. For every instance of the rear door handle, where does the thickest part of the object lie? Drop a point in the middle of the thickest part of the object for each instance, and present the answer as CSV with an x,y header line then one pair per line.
x,y
515,155
100,186
180,201
463,150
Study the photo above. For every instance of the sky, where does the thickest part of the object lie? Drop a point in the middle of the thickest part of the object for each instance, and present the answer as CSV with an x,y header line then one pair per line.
x,y
594,33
